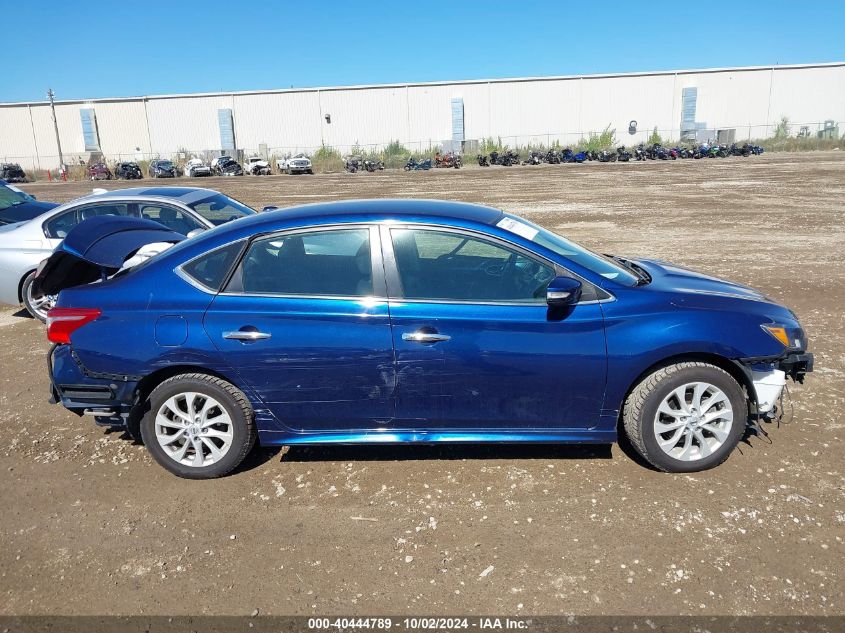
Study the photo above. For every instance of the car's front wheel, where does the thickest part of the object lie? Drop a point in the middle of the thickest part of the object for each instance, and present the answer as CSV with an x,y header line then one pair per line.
x,y
686,417
198,426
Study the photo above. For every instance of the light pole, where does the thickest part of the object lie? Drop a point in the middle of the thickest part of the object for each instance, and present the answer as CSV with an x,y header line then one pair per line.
x,y
50,96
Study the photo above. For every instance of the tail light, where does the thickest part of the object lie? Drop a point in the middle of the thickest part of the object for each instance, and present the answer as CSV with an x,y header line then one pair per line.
x,y
62,322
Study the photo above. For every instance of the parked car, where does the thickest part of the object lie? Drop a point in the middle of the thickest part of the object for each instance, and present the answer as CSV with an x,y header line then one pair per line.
x,y
299,164
257,166
24,245
128,171
17,206
196,168
99,171
162,169
12,172
226,166
403,321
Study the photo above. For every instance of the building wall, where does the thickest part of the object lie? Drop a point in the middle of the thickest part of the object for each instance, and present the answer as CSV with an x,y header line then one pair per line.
x,y
519,111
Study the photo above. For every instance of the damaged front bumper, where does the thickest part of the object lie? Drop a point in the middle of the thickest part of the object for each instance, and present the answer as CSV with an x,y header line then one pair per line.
x,y
768,376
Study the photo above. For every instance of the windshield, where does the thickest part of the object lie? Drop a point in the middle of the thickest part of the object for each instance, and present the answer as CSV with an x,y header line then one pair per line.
x,y
165,163
598,264
12,196
219,209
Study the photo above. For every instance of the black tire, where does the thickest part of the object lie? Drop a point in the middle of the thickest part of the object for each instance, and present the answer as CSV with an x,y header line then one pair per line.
x,y
229,397
641,409
27,284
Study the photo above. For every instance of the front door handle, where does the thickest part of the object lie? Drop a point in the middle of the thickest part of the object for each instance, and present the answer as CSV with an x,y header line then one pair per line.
x,y
246,335
425,337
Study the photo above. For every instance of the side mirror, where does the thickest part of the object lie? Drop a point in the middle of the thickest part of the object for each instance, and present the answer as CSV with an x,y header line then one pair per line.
x,y
195,232
563,291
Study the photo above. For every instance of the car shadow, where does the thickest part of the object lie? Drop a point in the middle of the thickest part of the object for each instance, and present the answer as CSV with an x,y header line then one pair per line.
x,y
435,452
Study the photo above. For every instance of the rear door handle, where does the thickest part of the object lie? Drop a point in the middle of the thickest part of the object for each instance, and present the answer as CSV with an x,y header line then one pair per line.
x,y
246,335
425,337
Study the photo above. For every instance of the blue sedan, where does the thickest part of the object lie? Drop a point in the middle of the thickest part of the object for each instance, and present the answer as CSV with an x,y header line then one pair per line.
x,y
393,321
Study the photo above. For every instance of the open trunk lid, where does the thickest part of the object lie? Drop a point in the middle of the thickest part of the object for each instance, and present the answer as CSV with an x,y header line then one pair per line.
x,y
97,248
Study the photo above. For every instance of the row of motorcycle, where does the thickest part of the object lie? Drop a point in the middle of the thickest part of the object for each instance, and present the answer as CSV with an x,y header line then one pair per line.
x,y
642,152
448,160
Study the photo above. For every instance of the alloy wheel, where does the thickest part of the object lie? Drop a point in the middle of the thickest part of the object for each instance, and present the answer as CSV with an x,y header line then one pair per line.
x,y
194,429
693,421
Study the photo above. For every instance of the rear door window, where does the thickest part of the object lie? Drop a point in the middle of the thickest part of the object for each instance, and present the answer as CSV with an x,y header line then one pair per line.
x,y
59,226
319,263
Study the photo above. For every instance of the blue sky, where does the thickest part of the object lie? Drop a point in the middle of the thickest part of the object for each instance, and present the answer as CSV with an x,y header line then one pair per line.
x,y
116,48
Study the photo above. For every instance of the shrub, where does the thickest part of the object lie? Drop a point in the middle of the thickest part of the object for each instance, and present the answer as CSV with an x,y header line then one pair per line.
x,y
597,142
327,159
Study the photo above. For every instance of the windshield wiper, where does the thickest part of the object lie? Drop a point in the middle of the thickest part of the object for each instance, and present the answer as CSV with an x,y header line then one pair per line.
x,y
642,276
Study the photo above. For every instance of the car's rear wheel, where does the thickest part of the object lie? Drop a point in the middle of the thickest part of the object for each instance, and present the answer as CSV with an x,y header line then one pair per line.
x,y
686,417
38,308
198,426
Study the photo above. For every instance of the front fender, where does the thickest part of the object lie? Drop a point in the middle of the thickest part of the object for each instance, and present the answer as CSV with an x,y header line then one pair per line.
x,y
643,335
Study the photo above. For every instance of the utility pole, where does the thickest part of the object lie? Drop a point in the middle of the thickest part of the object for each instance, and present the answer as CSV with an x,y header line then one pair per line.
x,y
50,96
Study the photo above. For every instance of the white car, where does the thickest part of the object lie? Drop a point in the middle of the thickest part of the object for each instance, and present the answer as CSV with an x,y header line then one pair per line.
x,y
256,166
299,164
195,168
24,244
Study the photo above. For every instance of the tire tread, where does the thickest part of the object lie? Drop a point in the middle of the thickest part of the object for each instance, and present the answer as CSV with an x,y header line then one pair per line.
x,y
240,401
632,412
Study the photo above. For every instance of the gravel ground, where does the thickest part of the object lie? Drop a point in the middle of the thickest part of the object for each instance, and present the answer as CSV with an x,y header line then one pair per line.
x,y
90,525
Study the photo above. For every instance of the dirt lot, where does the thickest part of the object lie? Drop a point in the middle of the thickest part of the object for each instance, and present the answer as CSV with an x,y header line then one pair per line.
x,y
91,525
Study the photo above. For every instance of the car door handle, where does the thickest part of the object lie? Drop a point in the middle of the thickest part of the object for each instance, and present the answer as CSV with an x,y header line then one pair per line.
x,y
246,335
425,337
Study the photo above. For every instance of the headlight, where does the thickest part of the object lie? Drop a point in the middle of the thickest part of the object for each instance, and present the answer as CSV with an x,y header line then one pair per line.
x,y
788,337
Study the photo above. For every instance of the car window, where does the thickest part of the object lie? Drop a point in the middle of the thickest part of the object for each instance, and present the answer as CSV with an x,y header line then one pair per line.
x,y
59,226
219,209
320,263
210,269
446,266
11,196
171,217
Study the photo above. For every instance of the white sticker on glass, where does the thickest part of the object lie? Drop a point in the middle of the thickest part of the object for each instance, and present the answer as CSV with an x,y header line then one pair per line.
x,y
517,227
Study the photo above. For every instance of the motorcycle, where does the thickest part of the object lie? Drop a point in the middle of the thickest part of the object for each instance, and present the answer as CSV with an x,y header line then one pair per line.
x,y
447,160
414,165
353,164
552,157
482,160
506,159
640,152
373,165
606,156
534,158
622,155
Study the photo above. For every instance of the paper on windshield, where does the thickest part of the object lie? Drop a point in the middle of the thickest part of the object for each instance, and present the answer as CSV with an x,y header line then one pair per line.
x,y
517,227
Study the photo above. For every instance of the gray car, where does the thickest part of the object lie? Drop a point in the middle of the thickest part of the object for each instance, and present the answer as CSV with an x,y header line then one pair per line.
x,y
23,245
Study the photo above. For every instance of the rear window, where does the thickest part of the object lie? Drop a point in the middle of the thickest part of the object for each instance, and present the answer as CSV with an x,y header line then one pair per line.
x,y
211,269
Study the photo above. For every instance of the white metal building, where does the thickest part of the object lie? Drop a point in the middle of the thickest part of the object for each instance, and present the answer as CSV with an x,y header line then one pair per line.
x,y
535,110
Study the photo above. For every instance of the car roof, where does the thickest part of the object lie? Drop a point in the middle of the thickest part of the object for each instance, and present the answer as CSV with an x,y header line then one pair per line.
x,y
384,207
180,194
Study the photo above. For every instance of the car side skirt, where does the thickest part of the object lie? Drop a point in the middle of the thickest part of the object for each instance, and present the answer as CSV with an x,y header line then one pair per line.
x,y
271,438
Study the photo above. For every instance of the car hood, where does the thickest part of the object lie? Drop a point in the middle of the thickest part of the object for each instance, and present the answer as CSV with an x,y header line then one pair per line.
x,y
669,277
96,248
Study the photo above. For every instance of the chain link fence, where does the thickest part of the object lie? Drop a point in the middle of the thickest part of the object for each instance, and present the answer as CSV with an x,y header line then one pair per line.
x,y
784,135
